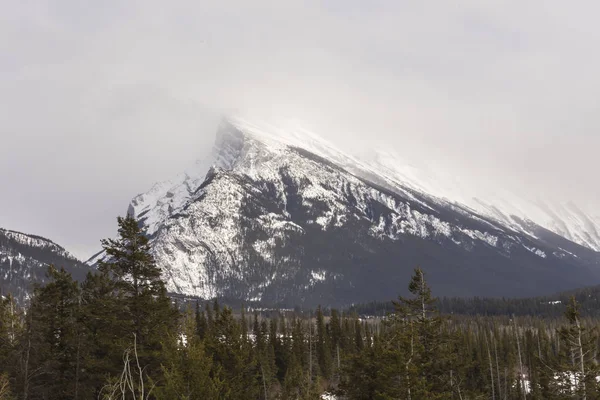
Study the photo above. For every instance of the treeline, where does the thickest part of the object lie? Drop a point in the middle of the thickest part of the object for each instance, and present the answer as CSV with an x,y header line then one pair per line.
x,y
543,306
118,335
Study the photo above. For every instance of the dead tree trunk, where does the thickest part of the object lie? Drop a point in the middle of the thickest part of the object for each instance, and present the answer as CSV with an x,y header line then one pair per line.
x,y
487,346
497,366
581,358
521,372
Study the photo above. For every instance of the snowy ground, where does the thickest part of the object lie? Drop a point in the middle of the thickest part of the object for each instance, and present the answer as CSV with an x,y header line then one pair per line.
x,y
328,396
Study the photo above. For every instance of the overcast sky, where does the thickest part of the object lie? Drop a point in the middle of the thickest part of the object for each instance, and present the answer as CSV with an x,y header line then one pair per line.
x,y
100,100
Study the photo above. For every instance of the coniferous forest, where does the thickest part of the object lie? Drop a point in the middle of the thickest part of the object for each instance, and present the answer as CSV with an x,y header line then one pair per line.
x,y
118,335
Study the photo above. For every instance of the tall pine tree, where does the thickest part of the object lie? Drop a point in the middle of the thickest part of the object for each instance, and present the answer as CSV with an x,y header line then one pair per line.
x,y
146,311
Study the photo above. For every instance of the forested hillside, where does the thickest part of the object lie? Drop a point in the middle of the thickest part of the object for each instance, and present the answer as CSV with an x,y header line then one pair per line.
x,y
118,335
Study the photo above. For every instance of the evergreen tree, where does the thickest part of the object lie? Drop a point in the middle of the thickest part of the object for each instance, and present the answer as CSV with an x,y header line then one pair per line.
x,y
201,323
299,351
277,347
10,331
579,368
210,320
105,336
146,313
429,343
323,346
336,340
358,336
54,330
266,358
363,378
188,370
239,370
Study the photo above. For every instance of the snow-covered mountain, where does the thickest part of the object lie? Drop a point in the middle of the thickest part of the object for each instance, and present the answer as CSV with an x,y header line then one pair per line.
x,y
282,216
24,260
509,207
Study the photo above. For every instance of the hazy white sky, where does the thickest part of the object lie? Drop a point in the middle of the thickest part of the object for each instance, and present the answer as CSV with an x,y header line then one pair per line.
x,y
100,100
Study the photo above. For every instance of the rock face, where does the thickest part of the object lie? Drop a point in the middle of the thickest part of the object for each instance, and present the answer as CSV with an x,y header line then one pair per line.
x,y
285,218
24,260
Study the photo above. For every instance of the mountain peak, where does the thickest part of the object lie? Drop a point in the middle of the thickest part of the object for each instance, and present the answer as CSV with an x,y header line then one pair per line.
x,y
242,143
273,206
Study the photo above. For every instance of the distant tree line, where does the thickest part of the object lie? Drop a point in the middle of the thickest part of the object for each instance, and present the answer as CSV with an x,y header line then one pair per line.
x,y
544,306
118,335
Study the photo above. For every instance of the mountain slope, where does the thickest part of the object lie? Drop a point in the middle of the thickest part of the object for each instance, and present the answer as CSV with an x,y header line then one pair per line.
x,y
24,260
511,208
284,217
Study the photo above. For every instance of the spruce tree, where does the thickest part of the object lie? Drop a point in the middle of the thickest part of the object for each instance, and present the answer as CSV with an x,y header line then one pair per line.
x,y
416,355
239,368
146,313
55,332
10,331
188,370
323,346
364,378
201,323
579,368
106,337
336,341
